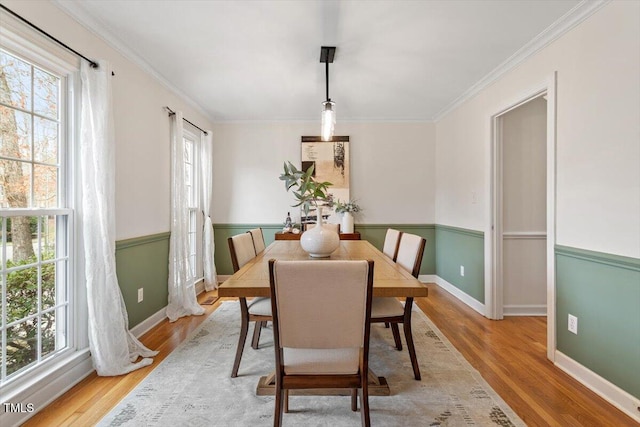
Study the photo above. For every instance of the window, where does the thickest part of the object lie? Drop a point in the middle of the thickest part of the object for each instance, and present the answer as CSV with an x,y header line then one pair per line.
x,y
192,177
35,216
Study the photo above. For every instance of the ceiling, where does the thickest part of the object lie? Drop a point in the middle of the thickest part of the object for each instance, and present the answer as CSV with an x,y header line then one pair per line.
x,y
260,60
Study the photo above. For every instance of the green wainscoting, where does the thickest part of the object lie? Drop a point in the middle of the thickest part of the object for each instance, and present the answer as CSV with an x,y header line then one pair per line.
x,y
603,292
143,262
223,231
375,234
372,232
456,247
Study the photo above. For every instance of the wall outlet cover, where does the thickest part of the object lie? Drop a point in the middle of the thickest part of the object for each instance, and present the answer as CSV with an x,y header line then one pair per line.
x,y
573,324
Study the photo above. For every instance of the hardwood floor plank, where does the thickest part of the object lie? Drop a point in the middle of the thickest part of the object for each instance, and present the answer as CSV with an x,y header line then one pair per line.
x,y
510,355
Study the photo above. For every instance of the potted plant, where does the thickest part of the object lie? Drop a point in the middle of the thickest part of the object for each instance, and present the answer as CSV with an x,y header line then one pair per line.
x,y
347,210
318,241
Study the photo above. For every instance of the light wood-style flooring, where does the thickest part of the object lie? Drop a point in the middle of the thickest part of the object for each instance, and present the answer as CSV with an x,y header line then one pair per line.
x,y
510,354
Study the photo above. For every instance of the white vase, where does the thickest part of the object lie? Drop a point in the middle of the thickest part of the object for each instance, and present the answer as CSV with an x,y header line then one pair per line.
x,y
347,222
319,241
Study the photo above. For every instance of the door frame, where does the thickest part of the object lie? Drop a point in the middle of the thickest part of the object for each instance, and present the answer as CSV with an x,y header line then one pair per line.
x,y
493,245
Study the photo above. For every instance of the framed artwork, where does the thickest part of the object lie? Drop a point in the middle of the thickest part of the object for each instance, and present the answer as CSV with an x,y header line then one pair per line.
x,y
331,163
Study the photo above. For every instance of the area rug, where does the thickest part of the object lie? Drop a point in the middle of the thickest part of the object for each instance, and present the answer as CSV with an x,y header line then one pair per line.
x,y
193,386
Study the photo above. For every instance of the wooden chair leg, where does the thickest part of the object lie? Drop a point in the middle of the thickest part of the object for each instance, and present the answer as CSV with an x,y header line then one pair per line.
x,y
396,336
386,325
244,328
354,399
364,405
279,407
256,334
286,401
408,335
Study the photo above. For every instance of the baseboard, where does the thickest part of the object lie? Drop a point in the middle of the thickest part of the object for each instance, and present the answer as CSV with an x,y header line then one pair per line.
x,y
470,301
46,389
427,278
147,324
613,394
524,310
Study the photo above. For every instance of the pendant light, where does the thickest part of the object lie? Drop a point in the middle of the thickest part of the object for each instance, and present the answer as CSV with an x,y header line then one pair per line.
x,y
328,112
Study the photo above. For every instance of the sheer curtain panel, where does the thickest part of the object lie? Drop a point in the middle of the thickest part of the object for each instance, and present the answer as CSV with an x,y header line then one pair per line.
x,y
208,250
182,291
114,349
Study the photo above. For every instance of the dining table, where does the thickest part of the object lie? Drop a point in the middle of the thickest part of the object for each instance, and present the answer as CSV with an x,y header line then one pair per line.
x,y
389,280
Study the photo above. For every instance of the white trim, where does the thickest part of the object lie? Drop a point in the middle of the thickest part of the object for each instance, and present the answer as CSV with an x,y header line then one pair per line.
x,y
47,388
453,290
149,323
524,310
570,19
428,278
524,235
76,12
603,388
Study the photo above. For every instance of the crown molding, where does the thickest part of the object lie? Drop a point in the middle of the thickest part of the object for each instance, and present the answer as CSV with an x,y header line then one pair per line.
x,y
104,32
569,20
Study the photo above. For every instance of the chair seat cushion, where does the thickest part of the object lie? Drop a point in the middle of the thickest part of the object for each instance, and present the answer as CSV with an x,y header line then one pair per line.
x,y
386,307
260,306
306,361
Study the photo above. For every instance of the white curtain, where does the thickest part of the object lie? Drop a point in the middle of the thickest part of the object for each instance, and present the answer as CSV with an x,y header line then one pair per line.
x,y
114,349
210,274
182,292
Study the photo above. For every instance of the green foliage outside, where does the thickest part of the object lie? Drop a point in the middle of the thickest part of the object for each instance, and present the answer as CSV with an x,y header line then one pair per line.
x,y
22,301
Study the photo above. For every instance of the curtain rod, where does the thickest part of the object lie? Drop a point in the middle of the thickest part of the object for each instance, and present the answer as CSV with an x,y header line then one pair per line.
x,y
171,113
93,64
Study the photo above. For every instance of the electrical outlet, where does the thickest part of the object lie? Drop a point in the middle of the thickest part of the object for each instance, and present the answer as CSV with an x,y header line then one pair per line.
x,y
573,324
462,270
140,294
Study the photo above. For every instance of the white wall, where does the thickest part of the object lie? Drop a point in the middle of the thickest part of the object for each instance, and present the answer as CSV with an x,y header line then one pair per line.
x,y
392,170
524,209
141,124
598,135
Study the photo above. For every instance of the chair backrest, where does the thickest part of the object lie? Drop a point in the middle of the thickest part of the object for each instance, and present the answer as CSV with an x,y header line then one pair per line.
x,y
391,243
258,239
410,252
321,304
241,249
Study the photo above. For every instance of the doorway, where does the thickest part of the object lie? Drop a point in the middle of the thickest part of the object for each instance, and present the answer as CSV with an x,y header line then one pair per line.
x,y
519,255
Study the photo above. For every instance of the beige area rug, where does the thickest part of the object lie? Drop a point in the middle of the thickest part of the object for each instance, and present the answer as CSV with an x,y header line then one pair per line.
x,y
193,387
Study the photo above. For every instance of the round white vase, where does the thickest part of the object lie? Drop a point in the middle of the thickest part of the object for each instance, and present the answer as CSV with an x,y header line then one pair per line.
x,y
347,222
319,241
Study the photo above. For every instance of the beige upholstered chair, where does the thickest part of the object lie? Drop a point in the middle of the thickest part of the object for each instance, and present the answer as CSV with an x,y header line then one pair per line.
x,y
258,309
258,239
321,313
390,310
391,243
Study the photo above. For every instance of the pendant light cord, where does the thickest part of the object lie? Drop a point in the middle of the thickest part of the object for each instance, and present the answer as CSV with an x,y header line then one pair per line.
x,y
327,79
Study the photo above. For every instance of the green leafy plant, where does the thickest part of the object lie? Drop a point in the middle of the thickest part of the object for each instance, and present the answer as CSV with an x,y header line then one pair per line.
x,y
306,189
350,206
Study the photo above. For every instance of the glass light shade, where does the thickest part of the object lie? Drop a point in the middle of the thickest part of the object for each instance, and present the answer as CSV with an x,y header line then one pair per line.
x,y
328,120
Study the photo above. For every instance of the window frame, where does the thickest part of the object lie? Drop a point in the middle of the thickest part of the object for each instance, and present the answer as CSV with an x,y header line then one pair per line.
x,y
191,136
24,43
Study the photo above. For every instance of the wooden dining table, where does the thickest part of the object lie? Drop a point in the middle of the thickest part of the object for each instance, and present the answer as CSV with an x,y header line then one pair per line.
x,y
389,280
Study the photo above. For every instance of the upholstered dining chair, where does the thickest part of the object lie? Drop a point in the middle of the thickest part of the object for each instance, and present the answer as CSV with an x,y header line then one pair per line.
x,y
258,309
390,310
258,239
321,312
391,243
